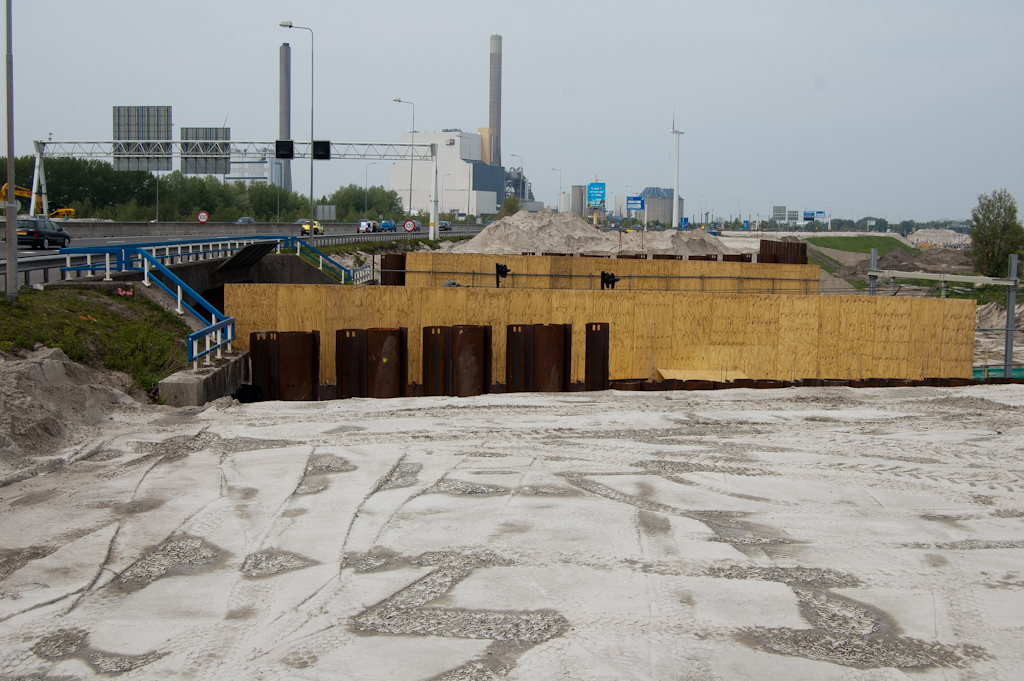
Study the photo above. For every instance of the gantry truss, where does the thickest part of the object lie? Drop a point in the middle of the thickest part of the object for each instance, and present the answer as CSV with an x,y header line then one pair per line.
x,y
165,149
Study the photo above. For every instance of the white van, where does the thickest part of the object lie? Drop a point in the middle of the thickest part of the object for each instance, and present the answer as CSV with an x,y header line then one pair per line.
x,y
369,226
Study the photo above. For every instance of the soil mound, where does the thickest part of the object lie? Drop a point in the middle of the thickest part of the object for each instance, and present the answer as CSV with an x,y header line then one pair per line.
x,y
48,402
938,237
547,232
934,260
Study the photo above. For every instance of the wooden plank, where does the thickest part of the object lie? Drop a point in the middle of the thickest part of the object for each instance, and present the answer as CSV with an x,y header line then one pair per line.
x,y
762,336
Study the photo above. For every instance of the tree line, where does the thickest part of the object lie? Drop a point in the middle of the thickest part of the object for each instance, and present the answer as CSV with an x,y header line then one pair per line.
x,y
95,190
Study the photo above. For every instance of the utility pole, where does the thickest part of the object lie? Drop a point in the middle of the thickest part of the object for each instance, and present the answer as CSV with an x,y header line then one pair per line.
x,y
12,203
675,191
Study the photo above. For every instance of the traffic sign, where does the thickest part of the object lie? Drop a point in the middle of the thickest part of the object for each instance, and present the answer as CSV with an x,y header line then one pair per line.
x,y
409,225
203,216
595,194
634,203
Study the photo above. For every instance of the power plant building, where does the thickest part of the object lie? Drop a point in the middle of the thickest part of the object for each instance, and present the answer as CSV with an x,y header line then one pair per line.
x,y
465,183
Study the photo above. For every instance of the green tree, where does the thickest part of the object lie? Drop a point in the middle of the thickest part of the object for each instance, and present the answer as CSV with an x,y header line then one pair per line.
x,y
996,233
510,206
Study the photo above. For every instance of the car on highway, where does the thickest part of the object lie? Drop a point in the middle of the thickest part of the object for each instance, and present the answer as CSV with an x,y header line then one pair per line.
x,y
245,221
310,227
42,232
388,226
368,226
444,226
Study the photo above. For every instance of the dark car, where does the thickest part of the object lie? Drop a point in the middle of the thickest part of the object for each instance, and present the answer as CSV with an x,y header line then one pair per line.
x,y
444,226
40,232
245,221
388,226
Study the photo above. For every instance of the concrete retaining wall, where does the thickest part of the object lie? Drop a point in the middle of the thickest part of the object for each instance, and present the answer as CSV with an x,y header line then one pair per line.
x,y
188,388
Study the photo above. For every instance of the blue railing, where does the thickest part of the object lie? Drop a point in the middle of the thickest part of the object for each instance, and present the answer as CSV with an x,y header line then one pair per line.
x,y
147,257
314,257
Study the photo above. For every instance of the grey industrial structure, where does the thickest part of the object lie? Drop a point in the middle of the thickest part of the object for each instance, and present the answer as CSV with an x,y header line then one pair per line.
x,y
471,179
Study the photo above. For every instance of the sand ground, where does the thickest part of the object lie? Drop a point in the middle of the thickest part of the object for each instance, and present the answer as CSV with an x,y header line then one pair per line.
x,y
780,534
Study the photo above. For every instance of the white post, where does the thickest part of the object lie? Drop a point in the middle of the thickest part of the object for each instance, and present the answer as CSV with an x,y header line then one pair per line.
x,y
67,275
106,258
179,310
145,267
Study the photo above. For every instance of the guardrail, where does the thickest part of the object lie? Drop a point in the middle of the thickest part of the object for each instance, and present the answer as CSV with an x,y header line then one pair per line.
x,y
82,259
221,329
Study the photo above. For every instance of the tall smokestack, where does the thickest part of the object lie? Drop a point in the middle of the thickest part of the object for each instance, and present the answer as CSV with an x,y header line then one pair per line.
x,y
494,119
284,131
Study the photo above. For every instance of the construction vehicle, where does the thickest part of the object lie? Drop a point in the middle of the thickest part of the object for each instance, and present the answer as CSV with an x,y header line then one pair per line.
x,y
22,193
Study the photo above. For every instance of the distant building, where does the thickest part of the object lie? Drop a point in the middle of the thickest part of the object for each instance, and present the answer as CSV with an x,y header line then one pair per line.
x,y
464,182
657,204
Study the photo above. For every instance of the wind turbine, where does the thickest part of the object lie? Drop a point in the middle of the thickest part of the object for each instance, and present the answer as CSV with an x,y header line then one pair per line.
x,y
675,192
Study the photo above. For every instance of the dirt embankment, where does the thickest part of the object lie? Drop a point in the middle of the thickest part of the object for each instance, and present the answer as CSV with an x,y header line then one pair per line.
x,y
933,260
48,402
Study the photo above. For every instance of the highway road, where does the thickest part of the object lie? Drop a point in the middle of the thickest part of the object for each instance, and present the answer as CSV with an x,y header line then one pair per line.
x,y
46,263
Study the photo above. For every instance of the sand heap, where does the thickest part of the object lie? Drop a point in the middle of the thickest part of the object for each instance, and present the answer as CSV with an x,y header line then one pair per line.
x,y
938,237
48,402
934,260
547,232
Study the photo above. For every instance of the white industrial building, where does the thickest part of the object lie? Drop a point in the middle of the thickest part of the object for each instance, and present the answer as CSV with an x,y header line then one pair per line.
x,y
465,182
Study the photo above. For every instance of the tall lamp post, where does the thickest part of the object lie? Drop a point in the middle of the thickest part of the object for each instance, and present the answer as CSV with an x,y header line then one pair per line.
x,y
522,175
12,203
558,198
366,185
288,24
413,141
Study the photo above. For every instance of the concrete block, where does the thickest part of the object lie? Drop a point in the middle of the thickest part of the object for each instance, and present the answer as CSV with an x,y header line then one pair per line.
x,y
194,388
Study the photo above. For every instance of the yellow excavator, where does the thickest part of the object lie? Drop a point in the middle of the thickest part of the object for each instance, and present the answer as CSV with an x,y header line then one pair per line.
x,y
22,193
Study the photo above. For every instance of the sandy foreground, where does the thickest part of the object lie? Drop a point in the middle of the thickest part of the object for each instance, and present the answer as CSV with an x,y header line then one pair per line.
x,y
780,534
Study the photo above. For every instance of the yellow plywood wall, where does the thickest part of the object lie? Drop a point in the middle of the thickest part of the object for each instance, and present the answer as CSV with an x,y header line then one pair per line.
x,y
430,269
762,336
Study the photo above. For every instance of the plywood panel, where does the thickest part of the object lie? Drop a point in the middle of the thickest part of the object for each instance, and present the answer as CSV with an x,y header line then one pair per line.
x,y
764,336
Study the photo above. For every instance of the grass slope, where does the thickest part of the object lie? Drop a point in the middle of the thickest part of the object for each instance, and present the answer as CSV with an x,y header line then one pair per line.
x,y
861,244
98,328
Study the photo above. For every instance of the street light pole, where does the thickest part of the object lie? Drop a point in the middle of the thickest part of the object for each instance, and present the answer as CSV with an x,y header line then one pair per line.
x,y
558,198
288,24
366,174
12,202
413,141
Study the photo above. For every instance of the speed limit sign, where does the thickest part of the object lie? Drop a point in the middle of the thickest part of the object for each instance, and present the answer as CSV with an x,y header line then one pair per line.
x,y
409,225
203,216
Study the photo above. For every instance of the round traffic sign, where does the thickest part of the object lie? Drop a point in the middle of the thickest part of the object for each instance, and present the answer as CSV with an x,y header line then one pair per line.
x,y
409,225
203,216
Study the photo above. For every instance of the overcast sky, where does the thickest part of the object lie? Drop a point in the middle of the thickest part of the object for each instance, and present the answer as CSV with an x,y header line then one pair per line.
x,y
897,109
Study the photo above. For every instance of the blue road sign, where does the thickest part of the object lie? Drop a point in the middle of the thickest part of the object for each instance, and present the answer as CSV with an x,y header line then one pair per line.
x,y
819,215
746,224
808,215
634,203
686,223
595,194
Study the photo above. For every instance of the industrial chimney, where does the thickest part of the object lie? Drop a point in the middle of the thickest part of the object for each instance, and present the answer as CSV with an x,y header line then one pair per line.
x,y
494,119
285,113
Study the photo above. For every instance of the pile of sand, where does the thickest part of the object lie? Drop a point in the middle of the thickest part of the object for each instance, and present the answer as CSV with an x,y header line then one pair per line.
x,y
547,232
48,402
938,237
934,260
